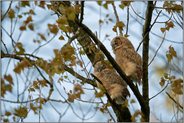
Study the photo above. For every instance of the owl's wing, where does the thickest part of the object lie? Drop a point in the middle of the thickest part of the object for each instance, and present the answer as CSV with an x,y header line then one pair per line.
x,y
131,55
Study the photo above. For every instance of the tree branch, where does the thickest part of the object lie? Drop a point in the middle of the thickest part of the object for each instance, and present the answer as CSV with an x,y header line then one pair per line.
x,y
145,88
122,113
170,97
114,64
117,17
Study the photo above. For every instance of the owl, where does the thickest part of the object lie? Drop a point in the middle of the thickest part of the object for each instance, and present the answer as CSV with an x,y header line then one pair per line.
x,y
112,82
127,58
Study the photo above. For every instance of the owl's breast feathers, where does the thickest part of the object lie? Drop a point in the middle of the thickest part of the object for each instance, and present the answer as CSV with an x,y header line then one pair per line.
x,y
113,83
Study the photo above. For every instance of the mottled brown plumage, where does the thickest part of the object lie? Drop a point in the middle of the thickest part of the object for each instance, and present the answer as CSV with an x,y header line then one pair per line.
x,y
113,83
127,58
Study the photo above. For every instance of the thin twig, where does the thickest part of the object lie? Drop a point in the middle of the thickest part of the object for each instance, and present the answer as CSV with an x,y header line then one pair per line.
x,y
127,20
43,44
136,13
6,11
174,100
159,92
157,49
148,31
117,17
168,40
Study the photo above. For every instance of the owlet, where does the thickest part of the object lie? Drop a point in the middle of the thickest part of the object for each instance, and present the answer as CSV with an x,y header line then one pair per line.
x,y
127,58
112,82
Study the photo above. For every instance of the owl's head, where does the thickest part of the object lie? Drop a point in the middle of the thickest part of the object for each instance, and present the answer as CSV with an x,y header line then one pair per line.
x,y
120,41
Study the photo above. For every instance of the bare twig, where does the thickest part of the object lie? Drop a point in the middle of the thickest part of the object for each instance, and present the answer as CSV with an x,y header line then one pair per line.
x,y
7,11
127,20
43,44
159,92
148,31
136,13
157,49
117,17
170,97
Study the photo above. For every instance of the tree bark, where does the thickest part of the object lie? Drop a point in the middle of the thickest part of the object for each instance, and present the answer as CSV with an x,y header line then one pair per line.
x,y
145,53
122,113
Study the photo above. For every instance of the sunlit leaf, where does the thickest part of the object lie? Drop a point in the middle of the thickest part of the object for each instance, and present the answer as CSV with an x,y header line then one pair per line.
x,y
25,3
7,113
170,24
53,28
162,30
21,112
31,26
8,78
132,101
20,48
42,4
99,2
42,36
33,108
31,12
177,86
22,28
21,66
11,14
28,20
61,38
162,82
99,94
172,51
169,57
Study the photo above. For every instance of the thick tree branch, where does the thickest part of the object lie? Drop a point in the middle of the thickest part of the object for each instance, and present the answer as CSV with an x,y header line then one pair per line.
x,y
145,35
114,64
122,113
